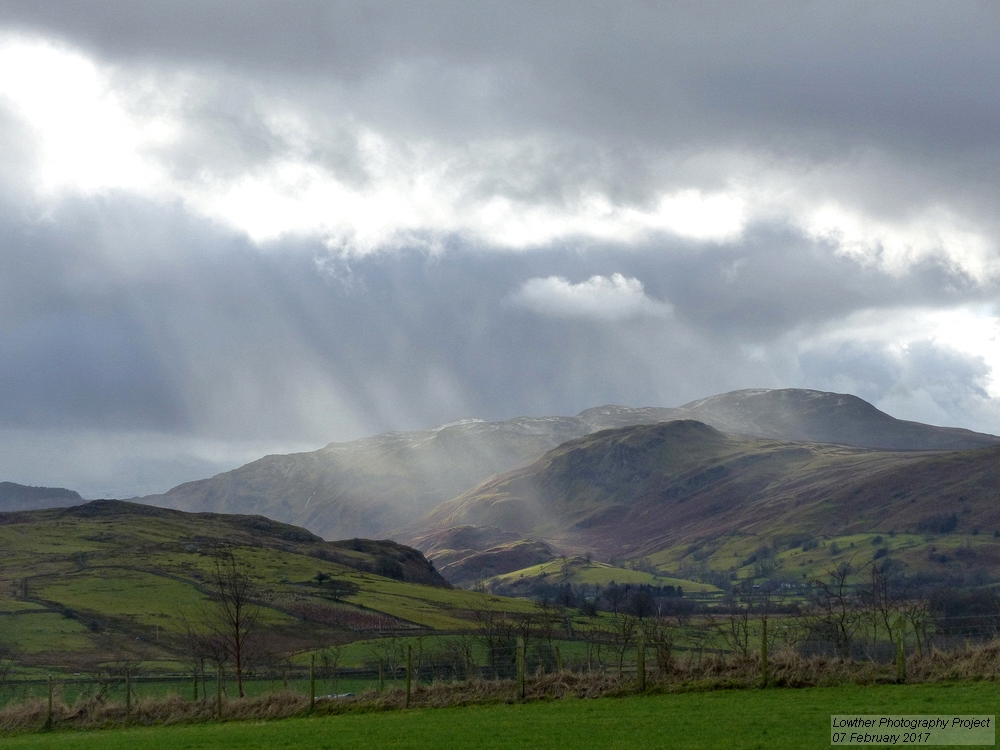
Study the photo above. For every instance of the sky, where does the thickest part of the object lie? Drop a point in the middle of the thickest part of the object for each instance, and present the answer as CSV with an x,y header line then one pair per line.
x,y
232,229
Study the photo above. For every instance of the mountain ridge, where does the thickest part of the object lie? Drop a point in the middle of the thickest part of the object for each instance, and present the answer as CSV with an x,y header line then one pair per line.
x,y
644,490
373,486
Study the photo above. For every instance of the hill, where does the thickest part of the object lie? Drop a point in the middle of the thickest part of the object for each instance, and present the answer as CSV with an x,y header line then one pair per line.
x,y
109,581
373,486
22,497
681,492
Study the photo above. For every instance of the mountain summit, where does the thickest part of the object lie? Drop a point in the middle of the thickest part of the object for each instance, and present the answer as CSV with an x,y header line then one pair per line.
x,y
373,486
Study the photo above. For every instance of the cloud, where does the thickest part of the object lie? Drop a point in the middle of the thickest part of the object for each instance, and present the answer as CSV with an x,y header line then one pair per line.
x,y
259,224
88,140
601,298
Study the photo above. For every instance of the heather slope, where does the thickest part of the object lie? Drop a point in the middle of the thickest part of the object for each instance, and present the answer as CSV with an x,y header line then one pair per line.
x,y
636,491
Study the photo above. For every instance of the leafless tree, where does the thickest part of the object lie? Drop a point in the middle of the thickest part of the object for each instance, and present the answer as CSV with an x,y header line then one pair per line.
x,y
461,654
836,614
9,656
329,660
498,630
734,630
202,647
235,611
881,603
659,634
623,633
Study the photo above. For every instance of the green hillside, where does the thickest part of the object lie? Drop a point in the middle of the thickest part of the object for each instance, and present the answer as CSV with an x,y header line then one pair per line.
x,y
111,581
579,571
693,499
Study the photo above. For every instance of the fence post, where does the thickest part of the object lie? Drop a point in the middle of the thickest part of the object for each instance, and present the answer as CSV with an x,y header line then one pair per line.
x,y
559,663
900,657
218,687
763,653
409,671
520,666
381,676
312,682
640,663
48,715
195,686
128,695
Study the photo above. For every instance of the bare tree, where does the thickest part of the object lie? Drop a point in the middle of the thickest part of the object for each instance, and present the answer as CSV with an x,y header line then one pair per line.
x,y
497,630
734,630
881,602
623,634
461,651
329,659
235,613
9,656
201,647
659,633
837,618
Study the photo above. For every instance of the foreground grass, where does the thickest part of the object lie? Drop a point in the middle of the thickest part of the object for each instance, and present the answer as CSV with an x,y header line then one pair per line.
x,y
735,718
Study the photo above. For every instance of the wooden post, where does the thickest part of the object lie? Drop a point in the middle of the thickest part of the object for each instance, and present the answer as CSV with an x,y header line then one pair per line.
x,y
48,715
312,682
900,658
218,687
195,687
409,672
640,663
559,663
128,695
381,677
763,653
520,667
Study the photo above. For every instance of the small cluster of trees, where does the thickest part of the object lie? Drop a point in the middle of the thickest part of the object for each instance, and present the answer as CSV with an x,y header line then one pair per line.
x,y
639,599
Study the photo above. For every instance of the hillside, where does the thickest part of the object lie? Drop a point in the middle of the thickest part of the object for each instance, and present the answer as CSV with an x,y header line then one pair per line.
x,y
642,491
373,486
112,581
22,497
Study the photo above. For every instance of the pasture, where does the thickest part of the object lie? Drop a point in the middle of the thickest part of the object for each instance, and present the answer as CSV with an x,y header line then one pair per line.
x,y
785,718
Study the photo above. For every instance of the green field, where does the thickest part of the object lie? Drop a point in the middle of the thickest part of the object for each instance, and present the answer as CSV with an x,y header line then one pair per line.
x,y
111,582
730,719
577,571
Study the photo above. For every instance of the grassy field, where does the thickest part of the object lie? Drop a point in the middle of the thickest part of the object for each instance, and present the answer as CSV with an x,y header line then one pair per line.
x,y
577,571
79,588
732,719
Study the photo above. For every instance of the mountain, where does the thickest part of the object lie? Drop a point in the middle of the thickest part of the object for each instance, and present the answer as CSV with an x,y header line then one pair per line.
x,y
818,417
21,497
373,486
638,491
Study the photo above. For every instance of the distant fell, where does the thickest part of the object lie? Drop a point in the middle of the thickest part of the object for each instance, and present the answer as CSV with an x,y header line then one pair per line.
x,y
373,486
635,491
818,417
22,497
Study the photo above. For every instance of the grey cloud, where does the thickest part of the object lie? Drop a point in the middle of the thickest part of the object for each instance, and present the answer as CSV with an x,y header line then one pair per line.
x,y
922,381
121,315
639,70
